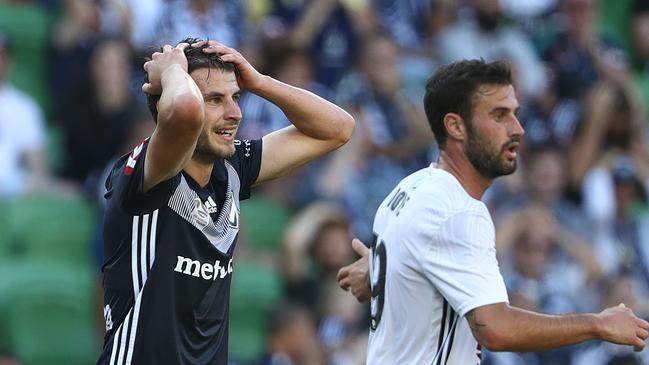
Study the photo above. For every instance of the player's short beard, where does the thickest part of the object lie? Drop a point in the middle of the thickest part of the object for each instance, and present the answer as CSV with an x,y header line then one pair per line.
x,y
205,153
485,160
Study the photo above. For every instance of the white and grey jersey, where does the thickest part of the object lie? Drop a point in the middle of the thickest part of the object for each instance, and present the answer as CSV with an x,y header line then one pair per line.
x,y
433,260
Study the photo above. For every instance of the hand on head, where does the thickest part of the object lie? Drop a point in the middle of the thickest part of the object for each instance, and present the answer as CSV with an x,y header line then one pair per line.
x,y
247,76
159,63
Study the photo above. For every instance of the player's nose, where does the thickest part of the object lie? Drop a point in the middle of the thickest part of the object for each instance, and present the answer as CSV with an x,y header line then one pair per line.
x,y
516,128
232,111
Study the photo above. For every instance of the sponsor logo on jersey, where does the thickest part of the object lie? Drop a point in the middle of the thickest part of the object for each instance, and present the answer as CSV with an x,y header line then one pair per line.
x,y
207,271
210,205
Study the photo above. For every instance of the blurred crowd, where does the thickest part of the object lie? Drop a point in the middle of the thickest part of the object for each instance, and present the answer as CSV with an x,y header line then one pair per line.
x,y
572,224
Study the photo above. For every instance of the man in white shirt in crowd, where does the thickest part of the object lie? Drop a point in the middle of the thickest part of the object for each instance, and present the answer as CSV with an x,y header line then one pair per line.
x,y
22,135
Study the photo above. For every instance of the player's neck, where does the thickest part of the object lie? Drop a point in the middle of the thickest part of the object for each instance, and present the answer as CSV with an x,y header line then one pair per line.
x,y
459,166
199,171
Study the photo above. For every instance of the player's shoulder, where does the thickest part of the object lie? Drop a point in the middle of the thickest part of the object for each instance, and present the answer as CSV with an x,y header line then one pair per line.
x,y
443,192
125,165
244,150
437,198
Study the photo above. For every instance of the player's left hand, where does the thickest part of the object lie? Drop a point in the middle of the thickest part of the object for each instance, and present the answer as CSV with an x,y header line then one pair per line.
x,y
356,276
248,77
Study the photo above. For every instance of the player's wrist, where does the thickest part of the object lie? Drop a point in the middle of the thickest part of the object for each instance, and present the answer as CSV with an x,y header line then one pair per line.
x,y
596,326
170,71
261,85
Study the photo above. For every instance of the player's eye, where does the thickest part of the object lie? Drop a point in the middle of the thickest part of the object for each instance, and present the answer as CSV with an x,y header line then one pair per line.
x,y
501,115
214,100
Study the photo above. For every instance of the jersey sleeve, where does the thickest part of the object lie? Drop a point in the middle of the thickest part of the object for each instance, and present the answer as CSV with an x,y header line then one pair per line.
x,y
461,262
247,162
126,184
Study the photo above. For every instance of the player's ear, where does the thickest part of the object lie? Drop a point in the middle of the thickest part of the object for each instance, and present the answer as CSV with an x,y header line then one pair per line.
x,y
455,127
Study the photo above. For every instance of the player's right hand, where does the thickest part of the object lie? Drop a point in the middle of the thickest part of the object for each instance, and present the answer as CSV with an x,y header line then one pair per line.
x,y
621,326
160,62
248,77
356,276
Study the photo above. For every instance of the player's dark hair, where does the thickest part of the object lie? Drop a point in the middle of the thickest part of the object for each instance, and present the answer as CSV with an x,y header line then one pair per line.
x,y
196,59
452,89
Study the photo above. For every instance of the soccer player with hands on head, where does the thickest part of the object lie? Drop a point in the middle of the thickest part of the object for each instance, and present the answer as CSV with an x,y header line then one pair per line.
x,y
172,211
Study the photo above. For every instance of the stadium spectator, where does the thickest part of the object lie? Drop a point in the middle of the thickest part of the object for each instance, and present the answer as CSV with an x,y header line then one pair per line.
x,y
482,33
22,135
544,182
71,46
392,137
330,30
613,127
315,246
224,20
579,56
100,112
621,234
292,338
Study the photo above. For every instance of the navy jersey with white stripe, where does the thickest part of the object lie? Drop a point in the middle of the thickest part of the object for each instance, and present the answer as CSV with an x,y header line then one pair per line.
x,y
433,260
168,261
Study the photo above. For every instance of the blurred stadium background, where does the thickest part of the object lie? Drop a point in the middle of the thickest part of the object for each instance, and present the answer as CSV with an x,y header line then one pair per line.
x,y
572,222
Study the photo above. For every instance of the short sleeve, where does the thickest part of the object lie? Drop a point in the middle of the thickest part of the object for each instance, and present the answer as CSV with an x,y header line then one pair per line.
x,y
247,162
125,184
461,262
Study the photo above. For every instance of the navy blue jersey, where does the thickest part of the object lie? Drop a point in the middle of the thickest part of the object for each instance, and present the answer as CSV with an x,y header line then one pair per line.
x,y
168,261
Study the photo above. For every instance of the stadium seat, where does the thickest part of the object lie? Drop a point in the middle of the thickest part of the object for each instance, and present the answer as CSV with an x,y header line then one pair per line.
x,y
46,313
55,228
55,151
264,220
255,291
7,243
28,25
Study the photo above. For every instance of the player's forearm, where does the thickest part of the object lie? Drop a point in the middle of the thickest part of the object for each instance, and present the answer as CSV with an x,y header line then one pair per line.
x,y
181,100
518,330
309,113
180,121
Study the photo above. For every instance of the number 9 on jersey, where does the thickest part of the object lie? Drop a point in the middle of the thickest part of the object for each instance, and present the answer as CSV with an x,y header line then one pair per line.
x,y
378,266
